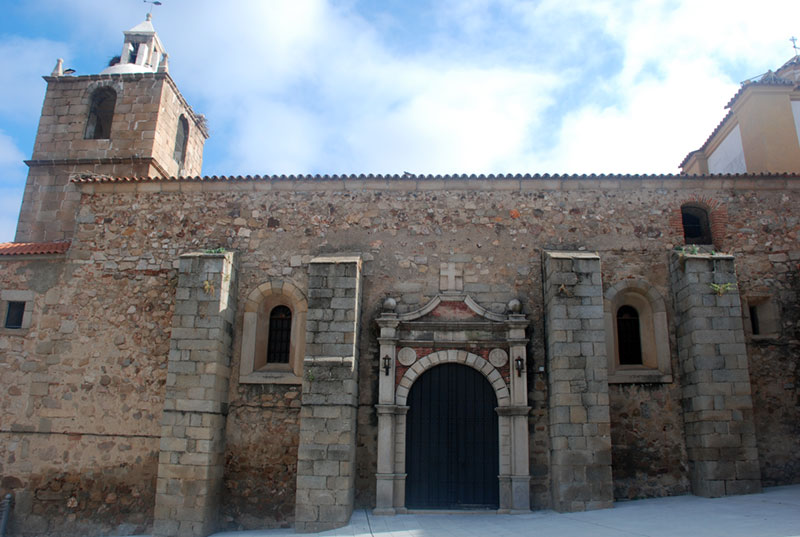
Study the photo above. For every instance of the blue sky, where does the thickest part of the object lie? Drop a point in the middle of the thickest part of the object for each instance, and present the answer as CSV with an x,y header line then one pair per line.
x,y
387,86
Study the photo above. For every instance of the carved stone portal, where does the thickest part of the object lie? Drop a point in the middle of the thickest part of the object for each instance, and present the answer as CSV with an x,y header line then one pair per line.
x,y
453,329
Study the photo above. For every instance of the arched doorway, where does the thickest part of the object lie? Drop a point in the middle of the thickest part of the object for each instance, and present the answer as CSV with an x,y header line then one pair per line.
x,y
452,440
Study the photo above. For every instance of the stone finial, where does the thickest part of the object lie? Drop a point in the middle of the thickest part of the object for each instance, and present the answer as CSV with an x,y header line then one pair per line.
x,y
58,70
163,67
389,304
514,306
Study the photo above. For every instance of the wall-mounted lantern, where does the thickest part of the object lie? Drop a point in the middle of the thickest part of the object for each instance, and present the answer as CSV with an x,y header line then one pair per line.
x,y
520,365
387,364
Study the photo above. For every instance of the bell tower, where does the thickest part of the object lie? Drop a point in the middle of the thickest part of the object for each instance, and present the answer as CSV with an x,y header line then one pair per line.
x,y
130,120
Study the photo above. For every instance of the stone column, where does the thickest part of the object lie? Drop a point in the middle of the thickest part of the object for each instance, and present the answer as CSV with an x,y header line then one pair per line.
x,y
717,402
326,454
580,427
191,462
517,412
386,408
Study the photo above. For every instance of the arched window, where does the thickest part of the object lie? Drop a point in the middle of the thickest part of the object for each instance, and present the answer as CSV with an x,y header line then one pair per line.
x,y
696,226
273,334
101,112
181,137
637,333
280,335
629,340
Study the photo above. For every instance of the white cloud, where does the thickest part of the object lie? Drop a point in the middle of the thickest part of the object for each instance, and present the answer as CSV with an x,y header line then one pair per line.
x,y
493,86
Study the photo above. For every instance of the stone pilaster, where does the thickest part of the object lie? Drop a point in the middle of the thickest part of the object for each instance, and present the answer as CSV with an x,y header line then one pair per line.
x,y
191,461
580,429
717,403
326,454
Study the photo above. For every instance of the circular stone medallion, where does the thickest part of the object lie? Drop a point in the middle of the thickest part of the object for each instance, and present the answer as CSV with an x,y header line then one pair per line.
x,y
407,356
498,357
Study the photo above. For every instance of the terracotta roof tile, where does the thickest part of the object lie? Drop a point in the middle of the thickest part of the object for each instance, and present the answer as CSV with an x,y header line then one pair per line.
x,y
33,248
86,179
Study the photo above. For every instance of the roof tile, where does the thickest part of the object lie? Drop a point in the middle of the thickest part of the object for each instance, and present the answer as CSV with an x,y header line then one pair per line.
x,y
33,248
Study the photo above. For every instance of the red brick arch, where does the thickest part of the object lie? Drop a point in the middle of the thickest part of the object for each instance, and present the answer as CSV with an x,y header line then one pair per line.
x,y
717,215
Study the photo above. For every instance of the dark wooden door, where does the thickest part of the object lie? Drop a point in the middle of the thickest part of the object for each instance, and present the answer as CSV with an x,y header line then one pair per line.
x,y
451,441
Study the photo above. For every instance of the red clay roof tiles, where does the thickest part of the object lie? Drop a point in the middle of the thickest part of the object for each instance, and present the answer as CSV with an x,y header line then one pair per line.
x,y
33,248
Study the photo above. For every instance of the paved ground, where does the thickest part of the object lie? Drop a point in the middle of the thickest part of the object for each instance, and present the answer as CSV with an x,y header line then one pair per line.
x,y
775,513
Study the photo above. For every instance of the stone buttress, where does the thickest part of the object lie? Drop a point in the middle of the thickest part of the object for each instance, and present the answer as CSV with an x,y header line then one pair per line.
x,y
580,427
326,454
717,402
191,461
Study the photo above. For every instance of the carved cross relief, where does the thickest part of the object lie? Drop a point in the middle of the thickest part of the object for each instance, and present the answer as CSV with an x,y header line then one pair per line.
x,y
451,277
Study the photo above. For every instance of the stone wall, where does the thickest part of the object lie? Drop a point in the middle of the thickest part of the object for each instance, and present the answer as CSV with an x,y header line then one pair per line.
x,y
717,402
121,274
192,446
327,451
141,144
647,446
79,414
261,457
580,429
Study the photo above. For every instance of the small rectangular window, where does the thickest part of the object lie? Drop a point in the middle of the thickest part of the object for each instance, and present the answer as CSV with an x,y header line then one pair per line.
x,y
765,317
754,320
14,314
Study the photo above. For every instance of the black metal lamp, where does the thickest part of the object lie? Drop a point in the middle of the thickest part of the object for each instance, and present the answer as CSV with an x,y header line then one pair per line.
x,y
520,365
387,364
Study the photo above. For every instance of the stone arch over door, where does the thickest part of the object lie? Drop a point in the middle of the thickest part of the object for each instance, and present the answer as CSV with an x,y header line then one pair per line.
x,y
500,338
476,363
454,356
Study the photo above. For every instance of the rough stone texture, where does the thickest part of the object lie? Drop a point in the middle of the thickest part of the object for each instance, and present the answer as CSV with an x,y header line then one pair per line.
x,y
261,457
112,360
647,448
718,408
326,455
192,443
82,396
580,429
140,144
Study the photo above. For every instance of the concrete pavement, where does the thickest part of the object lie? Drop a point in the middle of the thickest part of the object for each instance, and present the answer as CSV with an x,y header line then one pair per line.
x,y
773,513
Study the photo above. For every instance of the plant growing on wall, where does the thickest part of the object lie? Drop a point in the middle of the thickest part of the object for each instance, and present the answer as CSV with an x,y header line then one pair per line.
x,y
722,288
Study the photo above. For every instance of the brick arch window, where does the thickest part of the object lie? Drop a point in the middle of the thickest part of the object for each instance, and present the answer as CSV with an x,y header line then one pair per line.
x,y
181,139
101,113
273,334
696,224
637,334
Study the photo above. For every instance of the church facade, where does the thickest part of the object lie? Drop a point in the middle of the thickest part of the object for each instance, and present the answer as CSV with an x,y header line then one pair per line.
x,y
183,354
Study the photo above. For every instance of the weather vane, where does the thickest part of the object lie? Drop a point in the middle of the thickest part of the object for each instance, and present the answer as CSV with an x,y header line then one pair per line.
x,y
794,44
153,2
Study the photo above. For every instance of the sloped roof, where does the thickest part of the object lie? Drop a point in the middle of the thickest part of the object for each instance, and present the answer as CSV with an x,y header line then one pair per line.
x,y
105,179
33,248
767,79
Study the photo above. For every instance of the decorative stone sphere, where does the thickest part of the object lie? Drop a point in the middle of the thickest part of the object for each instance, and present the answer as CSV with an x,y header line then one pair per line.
x,y
514,305
389,304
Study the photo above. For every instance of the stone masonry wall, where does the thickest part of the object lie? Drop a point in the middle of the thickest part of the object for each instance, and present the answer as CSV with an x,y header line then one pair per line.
x,y
261,456
143,127
111,359
648,452
192,443
83,393
718,407
326,456
580,429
